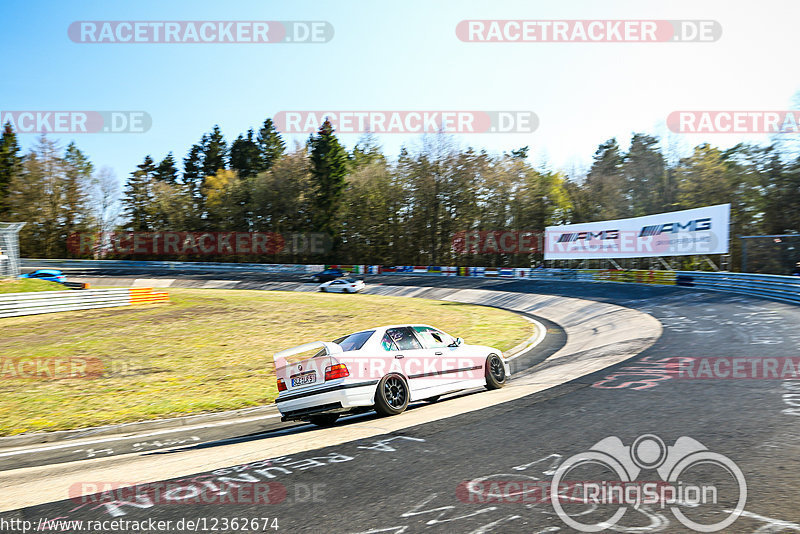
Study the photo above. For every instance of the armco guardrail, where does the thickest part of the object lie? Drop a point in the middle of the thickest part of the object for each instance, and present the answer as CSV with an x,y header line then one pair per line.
x,y
172,265
771,286
777,287
16,304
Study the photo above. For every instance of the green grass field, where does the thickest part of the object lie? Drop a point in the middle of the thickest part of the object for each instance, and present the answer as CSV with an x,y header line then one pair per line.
x,y
25,285
208,350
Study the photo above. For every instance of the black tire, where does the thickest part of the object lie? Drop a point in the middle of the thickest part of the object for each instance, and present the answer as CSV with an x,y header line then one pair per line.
x,y
433,399
324,419
495,372
323,289
391,397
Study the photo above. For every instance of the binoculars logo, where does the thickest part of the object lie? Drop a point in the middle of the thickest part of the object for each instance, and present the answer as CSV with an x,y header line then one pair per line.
x,y
676,466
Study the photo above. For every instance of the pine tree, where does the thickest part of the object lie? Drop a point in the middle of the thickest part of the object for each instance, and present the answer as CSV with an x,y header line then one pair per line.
x,y
644,170
366,152
193,167
245,156
605,183
138,195
193,183
10,164
77,180
215,152
270,146
167,170
328,170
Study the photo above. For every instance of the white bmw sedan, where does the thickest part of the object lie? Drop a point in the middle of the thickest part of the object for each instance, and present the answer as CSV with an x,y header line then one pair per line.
x,y
343,285
383,369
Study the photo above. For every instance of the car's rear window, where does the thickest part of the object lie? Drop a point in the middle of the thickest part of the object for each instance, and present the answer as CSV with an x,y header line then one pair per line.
x,y
354,341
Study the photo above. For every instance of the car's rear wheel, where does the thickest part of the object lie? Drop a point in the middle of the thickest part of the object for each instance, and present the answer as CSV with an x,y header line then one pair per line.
x,y
391,398
324,419
495,372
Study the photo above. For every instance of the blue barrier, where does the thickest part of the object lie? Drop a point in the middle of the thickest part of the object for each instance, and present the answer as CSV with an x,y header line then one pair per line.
x,y
770,286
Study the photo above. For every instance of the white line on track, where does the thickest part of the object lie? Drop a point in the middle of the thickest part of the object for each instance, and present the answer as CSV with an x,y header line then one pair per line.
x,y
136,436
537,338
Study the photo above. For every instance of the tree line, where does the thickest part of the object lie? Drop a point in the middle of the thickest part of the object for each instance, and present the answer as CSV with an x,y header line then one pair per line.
x,y
401,211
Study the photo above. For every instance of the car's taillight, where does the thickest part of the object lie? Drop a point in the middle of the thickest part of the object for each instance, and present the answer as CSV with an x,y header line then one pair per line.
x,y
336,371
281,385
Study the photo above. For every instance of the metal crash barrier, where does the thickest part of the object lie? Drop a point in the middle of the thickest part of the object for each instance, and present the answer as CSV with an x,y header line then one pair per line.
x,y
776,287
16,304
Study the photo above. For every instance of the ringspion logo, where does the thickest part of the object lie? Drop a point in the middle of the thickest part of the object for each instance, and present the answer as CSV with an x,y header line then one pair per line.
x,y
689,474
199,31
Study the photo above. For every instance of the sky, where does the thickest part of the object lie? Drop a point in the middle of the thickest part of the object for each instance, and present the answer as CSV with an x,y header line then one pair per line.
x,y
398,56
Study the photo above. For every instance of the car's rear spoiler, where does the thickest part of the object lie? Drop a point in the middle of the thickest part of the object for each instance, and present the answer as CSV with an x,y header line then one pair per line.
x,y
330,348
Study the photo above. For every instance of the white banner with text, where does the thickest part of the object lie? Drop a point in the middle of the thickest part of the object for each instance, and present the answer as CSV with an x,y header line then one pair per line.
x,y
678,233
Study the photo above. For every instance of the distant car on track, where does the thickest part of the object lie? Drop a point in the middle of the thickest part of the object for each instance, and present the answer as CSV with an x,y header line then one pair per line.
x,y
343,285
328,275
382,368
51,275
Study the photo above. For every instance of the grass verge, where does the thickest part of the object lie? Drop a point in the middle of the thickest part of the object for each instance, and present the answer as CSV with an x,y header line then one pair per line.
x,y
209,350
26,285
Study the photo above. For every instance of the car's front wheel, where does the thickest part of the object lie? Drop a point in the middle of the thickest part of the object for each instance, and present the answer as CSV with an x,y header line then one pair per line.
x,y
495,372
391,398
323,419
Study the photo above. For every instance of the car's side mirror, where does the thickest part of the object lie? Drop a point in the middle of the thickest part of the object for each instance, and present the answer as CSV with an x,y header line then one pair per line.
x,y
457,342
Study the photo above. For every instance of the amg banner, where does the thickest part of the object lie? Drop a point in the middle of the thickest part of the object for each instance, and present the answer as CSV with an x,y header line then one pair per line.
x,y
677,233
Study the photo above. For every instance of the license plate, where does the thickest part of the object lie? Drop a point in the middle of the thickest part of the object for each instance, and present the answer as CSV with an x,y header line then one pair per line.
x,y
306,378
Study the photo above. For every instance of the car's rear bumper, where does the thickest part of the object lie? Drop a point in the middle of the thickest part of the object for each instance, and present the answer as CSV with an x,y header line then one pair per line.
x,y
340,397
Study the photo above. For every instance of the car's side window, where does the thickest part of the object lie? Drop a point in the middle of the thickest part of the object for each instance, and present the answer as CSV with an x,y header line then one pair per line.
x,y
388,343
403,338
432,338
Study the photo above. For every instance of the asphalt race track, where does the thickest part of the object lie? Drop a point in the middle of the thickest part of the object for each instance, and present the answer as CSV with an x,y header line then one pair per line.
x,y
414,480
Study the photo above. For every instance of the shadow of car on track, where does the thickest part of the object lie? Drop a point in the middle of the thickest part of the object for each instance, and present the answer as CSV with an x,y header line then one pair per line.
x,y
290,428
